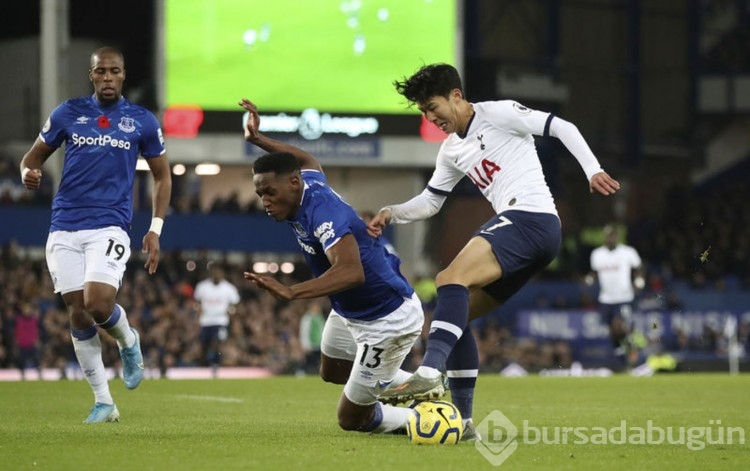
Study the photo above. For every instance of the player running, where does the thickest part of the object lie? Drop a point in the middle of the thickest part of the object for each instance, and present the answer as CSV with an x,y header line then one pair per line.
x,y
88,244
492,143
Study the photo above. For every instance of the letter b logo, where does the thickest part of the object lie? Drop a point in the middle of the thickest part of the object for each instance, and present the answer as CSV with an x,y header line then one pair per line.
x,y
498,438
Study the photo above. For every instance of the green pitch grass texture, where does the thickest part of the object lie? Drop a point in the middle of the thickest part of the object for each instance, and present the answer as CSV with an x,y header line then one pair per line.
x,y
308,58
290,423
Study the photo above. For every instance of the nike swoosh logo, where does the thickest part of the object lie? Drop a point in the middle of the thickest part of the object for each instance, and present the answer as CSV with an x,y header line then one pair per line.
x,y
400,387
442,414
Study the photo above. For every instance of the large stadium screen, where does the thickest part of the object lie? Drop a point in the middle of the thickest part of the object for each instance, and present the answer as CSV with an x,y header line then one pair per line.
x,y
291,55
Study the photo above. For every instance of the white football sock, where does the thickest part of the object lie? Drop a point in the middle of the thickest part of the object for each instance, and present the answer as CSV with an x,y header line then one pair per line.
x,y
400,378
89,354
393,418
121,330
427,372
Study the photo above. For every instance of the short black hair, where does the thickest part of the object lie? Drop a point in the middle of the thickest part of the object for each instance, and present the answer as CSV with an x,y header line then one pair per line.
x,y
107,50
277,162
429,81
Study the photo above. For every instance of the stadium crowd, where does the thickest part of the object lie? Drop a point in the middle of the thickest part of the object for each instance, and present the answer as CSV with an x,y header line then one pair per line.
x,y
263,332
714,223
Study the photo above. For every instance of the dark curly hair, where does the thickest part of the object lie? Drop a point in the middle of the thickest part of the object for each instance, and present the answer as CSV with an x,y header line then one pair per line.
x,y
429,81
280,163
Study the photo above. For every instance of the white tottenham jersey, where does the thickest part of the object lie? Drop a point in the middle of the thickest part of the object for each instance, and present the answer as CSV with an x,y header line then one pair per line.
x,y
614,270
499,155
215,300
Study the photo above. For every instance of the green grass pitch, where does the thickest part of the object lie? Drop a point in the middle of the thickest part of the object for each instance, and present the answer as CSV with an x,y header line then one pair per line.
x,y
308,58
289,423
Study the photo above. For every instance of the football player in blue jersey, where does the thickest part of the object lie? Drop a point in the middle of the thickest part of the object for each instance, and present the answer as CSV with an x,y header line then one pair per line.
x,y
88,243
376,315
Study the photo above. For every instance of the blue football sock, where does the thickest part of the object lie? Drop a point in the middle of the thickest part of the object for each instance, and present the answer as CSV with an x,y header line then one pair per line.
x,y
113,318
84,334
448,323
377,418
462,369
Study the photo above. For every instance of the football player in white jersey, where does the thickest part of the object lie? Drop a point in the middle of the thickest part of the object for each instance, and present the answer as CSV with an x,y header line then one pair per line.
x,y
217,297
618,268
88,245
492,143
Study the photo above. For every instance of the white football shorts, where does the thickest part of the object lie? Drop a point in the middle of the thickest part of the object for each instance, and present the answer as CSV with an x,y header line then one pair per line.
x,y
376,348
92,255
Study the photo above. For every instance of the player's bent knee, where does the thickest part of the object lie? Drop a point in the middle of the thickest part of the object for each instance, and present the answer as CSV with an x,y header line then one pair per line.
x,y
446,277
452,276
79,318
333,377
100,308
335,370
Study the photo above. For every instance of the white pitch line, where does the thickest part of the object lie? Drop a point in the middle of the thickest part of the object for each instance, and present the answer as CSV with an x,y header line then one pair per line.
x,y
209,398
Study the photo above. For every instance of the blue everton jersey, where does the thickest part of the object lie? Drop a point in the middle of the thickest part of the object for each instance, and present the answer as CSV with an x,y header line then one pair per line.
x,y
102,144
321,221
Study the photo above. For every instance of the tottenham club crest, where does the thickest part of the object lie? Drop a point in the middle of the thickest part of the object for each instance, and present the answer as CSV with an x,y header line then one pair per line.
x,y
126,124
481,142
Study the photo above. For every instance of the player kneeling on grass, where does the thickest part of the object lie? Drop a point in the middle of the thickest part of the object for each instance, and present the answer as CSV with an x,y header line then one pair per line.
x,y
376,315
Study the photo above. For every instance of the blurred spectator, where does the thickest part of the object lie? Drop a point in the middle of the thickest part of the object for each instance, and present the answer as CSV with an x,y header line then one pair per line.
x,y
230,204
27,339
7,341
311,335
10,256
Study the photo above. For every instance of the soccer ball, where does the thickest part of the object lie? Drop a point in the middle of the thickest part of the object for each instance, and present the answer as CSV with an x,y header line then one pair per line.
x,y
434,423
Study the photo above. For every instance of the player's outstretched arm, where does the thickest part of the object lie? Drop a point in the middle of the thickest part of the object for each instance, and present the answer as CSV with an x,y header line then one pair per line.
x,y
253,135
571,137
422,206
346,272
277,289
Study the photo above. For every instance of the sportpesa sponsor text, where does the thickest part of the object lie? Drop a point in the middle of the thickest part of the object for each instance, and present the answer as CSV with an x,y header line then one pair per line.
x,y
99,141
